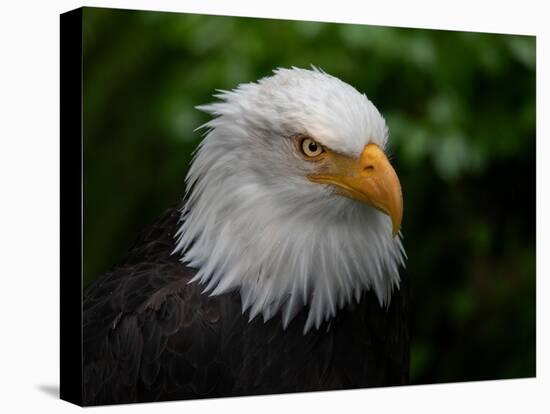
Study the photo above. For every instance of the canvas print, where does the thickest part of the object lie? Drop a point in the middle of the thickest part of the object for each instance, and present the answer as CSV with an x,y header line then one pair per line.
x,y
274,206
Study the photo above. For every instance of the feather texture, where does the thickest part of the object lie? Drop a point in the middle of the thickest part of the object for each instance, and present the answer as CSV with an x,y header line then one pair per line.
x,y
254,223
150,335
190,310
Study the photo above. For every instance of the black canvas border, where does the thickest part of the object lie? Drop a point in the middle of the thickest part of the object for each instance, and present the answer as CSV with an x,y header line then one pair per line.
x,y
71,207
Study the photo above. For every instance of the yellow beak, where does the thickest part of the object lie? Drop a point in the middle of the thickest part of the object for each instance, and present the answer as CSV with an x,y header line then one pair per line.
x,y
369,178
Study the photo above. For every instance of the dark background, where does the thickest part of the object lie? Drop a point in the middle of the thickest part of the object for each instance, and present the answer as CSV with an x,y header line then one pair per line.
x,y
461,112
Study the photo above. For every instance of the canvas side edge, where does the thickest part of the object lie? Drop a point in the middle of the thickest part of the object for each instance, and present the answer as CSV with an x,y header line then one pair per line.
x,y
71,213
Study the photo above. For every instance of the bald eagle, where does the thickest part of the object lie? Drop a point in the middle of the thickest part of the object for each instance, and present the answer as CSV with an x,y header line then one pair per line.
x,y
276,271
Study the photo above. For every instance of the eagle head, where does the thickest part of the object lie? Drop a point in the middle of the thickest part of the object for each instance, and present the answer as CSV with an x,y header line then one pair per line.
x,y
291,199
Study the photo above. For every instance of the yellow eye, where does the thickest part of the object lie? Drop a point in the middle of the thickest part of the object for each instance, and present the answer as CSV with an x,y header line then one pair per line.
x,y
310,148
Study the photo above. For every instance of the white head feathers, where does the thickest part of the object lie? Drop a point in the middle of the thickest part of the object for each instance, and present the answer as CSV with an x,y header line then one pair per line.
x,y
254,222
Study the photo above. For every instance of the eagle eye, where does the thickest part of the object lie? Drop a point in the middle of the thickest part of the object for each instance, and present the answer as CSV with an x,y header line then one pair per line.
x,y
310,148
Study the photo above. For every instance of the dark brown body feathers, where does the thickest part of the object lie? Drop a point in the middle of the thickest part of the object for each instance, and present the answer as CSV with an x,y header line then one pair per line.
x,y
149,335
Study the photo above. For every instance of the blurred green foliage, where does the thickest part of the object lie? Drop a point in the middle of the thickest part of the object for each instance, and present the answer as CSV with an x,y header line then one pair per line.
x,y
461,113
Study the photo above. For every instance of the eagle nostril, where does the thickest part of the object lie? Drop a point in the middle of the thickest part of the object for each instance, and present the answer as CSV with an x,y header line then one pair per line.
x,y
368,168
